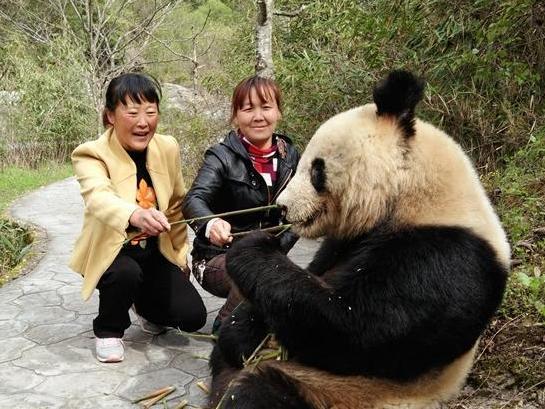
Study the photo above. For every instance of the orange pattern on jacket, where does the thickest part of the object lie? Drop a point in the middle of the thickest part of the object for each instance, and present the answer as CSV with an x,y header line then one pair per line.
x,y
145,197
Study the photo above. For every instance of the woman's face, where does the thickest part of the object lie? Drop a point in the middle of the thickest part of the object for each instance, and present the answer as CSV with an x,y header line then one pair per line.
x,y
134,123
257,120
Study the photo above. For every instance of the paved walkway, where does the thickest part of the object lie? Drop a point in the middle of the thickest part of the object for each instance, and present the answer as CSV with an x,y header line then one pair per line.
x,y
46,339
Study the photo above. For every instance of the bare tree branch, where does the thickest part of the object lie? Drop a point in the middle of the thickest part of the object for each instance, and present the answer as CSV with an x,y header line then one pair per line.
x,y
293,13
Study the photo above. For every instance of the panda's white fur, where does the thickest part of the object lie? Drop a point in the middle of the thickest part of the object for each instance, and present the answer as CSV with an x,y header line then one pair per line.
x,y
385,178
426,180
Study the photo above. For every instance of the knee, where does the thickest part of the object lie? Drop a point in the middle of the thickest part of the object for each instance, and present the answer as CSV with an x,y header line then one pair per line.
x,y
124,272
191,316
196,320
130,275
212,276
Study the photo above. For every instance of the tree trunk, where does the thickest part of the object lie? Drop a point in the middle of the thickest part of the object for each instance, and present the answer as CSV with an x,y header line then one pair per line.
x,y
264,66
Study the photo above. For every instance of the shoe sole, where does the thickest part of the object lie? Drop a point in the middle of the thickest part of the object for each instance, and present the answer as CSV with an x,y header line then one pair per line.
x,y
111,360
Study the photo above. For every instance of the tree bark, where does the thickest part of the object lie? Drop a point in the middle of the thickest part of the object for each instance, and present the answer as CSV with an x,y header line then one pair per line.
x,y
264,66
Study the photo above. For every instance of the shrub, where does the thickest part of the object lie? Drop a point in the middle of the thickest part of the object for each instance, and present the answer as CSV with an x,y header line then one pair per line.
x,y
483,61
54,112
195,132
14,245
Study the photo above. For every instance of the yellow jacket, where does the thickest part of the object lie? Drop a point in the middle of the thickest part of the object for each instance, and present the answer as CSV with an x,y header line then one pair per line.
x,y
107,177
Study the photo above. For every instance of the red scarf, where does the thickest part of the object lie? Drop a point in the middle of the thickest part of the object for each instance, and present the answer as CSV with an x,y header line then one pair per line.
x,y
264,160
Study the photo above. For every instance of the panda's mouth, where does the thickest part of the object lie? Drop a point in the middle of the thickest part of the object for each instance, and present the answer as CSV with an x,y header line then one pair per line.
x,y
310,220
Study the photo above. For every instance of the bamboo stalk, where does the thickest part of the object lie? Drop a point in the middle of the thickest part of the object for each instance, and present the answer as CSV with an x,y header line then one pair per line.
x,y
150,402
232,213
203,386
182,404
200,357
282,227
154,394
211,216
197,335
249,360
286,228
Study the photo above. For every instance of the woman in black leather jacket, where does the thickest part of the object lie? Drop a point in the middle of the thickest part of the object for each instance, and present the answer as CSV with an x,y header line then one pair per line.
x,y
249,168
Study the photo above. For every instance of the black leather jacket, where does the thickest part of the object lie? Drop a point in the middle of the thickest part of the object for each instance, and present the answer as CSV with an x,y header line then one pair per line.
x,y
228,181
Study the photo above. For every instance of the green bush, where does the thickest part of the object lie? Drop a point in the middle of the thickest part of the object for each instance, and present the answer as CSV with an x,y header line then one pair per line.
x,y
195,133
483,61
54,112
520,200
174,40
14,245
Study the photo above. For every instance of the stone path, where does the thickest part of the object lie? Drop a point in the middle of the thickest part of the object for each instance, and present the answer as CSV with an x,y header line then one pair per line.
x,y
46,339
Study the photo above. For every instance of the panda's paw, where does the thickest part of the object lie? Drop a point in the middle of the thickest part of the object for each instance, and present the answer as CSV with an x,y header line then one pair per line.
x,y
257,242
244,260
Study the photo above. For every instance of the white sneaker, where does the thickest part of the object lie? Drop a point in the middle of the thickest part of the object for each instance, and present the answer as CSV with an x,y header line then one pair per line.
x,y
110,349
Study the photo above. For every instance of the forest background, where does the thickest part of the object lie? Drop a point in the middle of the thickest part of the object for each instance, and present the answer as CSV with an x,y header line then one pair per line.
x,y
484,62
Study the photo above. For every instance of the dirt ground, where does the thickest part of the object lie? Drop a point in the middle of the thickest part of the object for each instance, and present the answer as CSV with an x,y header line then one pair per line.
x,y
509,371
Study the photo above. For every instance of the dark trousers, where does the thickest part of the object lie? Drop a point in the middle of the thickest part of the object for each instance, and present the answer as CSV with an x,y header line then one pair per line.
x,y
213,277
160,291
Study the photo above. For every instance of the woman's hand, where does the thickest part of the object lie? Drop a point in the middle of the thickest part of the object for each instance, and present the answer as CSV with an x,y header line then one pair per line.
x,y
220,233
150,221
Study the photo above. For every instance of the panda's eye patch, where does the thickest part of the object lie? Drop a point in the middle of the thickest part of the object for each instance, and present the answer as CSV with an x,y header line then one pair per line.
x,y
317,174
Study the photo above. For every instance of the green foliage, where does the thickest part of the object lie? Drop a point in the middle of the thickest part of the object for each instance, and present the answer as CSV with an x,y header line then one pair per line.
x,y
520,201
525,294
15,240
201,27
54,112
14,245
15,181
195,133
535,285
482,60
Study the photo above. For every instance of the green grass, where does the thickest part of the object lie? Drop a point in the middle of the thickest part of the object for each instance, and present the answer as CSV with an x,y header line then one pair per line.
x,y
521,206
15,240
14,181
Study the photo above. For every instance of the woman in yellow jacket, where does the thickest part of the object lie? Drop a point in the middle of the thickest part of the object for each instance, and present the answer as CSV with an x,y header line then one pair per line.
x,y
132,186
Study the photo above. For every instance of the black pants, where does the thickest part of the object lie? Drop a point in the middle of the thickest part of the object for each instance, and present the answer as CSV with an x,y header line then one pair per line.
x,y
160,291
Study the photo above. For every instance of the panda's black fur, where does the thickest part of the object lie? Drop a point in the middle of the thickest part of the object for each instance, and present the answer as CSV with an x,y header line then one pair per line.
x,y
393,306
398,95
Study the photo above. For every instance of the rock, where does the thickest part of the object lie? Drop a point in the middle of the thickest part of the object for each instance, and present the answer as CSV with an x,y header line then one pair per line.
x,y
186,100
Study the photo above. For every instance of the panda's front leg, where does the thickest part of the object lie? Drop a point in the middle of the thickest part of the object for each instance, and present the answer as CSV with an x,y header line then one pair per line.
x,y
291,300
239,336
253,259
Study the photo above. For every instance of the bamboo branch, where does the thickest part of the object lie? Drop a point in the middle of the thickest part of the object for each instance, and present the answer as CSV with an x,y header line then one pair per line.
x,y
211,216
203,386
152,401
235,212
155,394
197,335
182,404
281,227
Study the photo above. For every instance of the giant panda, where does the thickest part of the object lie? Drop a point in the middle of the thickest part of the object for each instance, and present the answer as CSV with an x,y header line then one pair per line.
x,y
412,267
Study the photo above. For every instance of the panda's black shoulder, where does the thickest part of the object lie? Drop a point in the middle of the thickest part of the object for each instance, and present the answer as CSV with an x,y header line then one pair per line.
x,y
436,256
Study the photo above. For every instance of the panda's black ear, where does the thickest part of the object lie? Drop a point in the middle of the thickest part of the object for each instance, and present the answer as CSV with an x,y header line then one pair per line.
x,y
398,95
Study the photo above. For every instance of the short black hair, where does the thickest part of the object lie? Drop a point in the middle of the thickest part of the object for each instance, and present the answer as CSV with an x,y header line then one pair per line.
x,y
136,86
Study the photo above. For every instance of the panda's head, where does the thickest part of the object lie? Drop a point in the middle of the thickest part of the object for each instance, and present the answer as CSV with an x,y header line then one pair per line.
x,y
356,165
